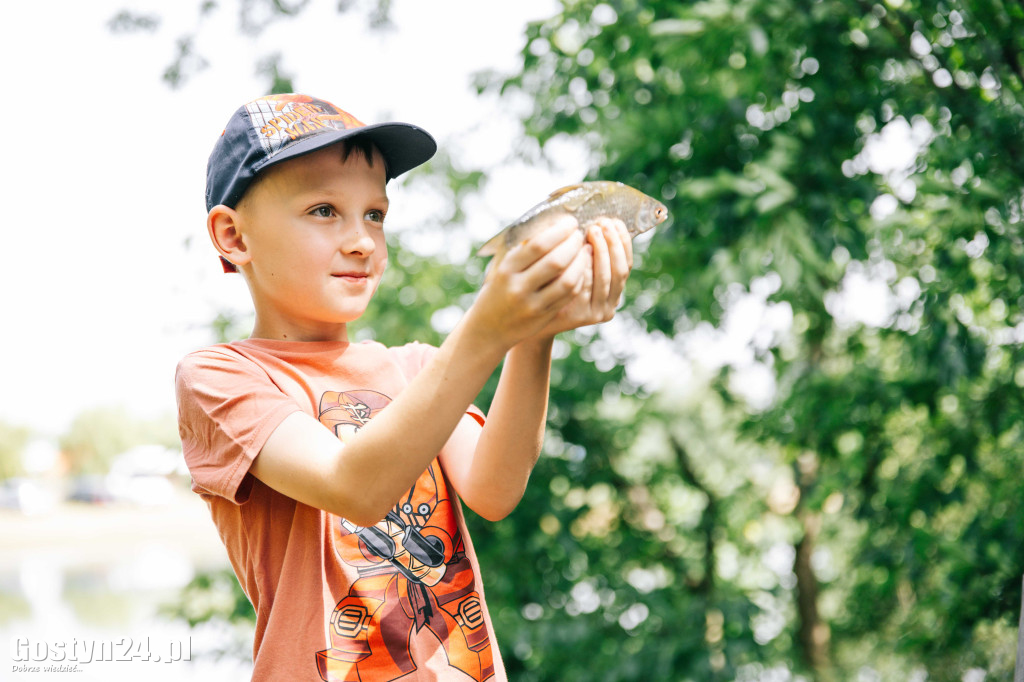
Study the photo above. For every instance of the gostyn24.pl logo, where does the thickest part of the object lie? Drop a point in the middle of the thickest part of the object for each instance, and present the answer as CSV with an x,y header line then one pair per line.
x,y
35,652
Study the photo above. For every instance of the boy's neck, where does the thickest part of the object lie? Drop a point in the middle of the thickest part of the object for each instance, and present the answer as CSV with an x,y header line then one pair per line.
x,y
337,333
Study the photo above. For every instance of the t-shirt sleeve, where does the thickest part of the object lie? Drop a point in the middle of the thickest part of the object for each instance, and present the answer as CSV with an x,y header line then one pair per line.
x,y
227,408
412,357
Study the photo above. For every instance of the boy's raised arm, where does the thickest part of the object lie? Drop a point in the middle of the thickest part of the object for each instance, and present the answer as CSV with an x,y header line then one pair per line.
x,y
494,478
362,478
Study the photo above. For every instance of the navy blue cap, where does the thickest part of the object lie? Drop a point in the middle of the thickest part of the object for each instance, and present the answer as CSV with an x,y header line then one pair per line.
x,y
274,128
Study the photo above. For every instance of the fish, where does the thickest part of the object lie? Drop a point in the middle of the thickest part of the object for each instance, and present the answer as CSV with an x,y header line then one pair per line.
x,y
586,201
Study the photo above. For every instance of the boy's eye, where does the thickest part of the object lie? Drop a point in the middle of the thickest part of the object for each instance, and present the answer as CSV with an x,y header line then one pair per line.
x,y
375,215
322,212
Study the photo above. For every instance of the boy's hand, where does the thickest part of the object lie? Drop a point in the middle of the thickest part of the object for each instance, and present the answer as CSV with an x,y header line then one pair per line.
x,y
536,280
609,252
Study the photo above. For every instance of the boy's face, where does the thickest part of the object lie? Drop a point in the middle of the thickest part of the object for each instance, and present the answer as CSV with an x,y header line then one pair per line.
x,y
313,228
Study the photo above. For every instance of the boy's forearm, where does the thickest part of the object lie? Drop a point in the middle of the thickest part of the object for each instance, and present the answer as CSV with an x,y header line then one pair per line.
x,y
419,421
511,440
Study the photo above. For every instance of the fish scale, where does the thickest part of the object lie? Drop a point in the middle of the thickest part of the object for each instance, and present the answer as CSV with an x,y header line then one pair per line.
x,y
586,201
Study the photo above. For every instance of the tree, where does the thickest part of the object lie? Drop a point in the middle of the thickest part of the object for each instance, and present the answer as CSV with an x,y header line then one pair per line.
x,y
759,122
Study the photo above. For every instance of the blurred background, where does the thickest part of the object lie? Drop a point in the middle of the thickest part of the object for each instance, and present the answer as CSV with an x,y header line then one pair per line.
x,y
794,454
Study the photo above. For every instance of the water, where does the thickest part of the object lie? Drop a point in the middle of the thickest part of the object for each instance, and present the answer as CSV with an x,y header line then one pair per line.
x,y
83,587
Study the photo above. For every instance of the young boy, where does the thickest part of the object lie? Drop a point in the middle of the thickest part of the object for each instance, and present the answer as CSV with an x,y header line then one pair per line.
x,y
341,518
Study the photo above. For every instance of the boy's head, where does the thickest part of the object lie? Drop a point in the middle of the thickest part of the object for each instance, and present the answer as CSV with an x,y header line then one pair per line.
x,y
275,128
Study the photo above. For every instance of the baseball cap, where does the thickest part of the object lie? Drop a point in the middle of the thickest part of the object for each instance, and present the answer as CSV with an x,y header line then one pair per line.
x,y
274,128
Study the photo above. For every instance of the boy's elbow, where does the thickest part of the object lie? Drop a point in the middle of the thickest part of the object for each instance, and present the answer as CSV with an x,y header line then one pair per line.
x,y
494,509
494,517
361,499
361,513
492,500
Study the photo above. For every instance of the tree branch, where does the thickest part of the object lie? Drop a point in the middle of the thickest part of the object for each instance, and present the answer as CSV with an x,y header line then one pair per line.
x,y
708,518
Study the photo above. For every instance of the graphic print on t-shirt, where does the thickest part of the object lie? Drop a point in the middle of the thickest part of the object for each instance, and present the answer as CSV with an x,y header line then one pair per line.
x,y
414,582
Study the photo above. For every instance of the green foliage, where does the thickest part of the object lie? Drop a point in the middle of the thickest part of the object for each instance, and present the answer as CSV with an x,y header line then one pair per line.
x,y
14,608
229,326
98,435
254,16
213,599
127,21
12,443
280,82
211,596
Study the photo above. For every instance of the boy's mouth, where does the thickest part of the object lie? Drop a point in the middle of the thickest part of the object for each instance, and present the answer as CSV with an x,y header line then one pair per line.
x,y
350,275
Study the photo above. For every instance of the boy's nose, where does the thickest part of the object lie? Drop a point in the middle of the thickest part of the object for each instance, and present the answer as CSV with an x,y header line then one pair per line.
x,y
358,241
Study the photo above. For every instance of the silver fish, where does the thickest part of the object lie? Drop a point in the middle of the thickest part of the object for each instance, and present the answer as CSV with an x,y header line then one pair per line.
x,y
586,201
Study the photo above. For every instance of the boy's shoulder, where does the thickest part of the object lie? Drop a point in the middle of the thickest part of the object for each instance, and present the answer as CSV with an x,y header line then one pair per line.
x,y
414,354
209,357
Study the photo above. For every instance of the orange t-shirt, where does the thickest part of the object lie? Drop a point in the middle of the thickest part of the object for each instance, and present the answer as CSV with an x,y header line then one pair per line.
x,y
334,601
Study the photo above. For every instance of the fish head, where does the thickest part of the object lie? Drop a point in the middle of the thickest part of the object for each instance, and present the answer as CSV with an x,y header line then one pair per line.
x,y
652,212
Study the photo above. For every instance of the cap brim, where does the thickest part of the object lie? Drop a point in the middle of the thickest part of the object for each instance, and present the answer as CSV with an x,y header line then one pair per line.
x,y
403,145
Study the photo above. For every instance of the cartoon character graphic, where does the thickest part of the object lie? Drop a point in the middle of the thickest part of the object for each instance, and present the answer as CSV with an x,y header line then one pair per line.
x,y
415,581
283,119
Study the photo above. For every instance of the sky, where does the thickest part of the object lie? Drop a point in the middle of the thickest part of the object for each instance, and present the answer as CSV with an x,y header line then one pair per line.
x,y
100,296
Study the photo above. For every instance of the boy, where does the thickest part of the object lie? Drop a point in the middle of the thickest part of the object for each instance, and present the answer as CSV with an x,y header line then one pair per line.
x,y
349,540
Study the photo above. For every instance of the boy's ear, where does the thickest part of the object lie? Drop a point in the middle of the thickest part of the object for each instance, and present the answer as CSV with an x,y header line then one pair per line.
x,y
223,224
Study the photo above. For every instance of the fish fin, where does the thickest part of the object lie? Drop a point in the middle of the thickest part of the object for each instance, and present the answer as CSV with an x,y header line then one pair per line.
x,y
583,193
492,245
562,190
